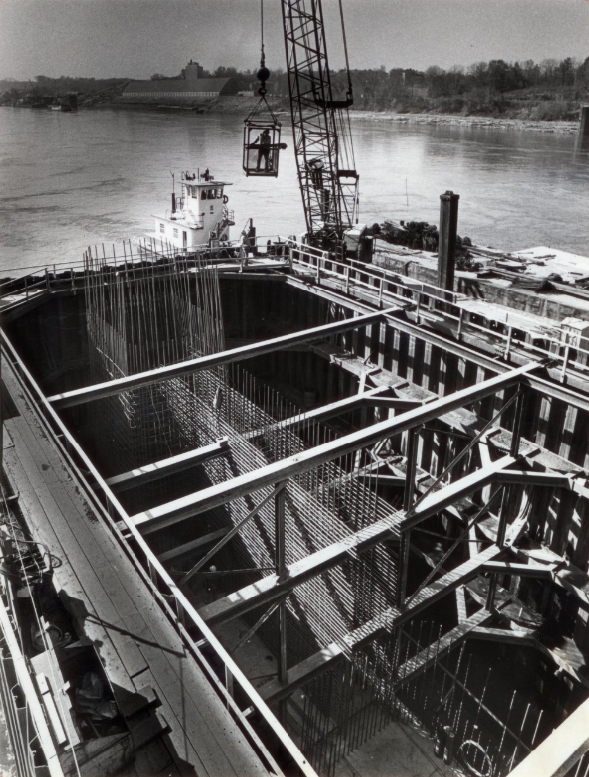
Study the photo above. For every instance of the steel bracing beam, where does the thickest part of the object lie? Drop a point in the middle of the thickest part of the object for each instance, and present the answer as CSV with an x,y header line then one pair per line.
x,y
192,545
328,411
169,466
113,387
435,501
275,586
384,622
222,493
230,534
546,387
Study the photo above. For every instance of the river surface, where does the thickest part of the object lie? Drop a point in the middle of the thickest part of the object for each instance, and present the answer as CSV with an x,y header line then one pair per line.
x,y
71,180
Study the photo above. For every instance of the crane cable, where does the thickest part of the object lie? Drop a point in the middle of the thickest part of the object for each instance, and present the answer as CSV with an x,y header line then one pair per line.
x,y
263,59
341,15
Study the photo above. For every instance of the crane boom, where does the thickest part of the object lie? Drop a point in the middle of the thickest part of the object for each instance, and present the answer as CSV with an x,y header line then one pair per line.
x,y
321,132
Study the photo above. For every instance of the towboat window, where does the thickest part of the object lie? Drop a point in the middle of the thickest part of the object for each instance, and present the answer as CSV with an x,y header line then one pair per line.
x,y
162,228
203,195
175,232
219,193
212,208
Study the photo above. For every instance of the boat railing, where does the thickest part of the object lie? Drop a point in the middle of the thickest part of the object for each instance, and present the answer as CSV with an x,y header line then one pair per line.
x,y
171,600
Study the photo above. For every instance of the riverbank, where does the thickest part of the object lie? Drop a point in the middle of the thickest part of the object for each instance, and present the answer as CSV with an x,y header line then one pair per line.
x,y
472,122
243,105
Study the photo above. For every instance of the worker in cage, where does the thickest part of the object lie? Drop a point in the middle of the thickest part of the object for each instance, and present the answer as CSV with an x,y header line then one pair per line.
x,y
265,142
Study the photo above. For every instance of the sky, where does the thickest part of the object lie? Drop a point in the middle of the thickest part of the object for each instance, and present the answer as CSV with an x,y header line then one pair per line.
x,y
136,38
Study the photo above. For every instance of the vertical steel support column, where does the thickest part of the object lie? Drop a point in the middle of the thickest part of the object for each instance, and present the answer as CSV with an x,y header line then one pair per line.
x,y
503,516
517,422
447,242
412,443
280,515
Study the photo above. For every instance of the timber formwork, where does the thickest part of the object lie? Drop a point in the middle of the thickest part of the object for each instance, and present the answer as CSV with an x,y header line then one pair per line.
x,y
357,484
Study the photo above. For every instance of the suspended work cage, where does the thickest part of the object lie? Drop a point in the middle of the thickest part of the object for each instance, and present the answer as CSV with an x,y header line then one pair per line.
x,y
261,134
261,142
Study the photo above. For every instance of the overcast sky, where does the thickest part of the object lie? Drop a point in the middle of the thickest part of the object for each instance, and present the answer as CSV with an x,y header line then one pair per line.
x,y
136,38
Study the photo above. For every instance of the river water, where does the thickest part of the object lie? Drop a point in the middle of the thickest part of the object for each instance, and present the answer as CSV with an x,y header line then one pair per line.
x,y
71,180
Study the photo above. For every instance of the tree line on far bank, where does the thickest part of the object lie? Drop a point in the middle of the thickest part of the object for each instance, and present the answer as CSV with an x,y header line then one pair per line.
x,y
551,89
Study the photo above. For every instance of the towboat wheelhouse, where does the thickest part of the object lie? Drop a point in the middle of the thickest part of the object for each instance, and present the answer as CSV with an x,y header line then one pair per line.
x,y
198,215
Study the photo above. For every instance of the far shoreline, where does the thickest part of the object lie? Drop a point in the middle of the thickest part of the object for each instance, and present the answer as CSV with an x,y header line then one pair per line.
x,y
237,106
472,122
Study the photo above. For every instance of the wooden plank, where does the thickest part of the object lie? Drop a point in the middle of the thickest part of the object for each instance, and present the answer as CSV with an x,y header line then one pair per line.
x,y
49,702
152,630
199,722
131,633
26,684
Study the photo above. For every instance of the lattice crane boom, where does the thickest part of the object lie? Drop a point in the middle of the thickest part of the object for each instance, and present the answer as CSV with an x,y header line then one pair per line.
x,y
321,130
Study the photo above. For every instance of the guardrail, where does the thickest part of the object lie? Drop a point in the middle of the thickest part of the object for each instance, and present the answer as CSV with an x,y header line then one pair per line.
x,y
130,258
382,286
431,303
166,593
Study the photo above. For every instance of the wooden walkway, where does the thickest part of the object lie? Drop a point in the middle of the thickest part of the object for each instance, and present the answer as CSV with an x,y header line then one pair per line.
x,y
113,608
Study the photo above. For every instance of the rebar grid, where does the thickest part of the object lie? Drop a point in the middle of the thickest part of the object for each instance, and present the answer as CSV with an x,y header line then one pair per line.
x,y
174,313
456,697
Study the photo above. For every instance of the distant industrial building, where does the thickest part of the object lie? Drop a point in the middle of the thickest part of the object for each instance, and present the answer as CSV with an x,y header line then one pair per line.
x,y
189,87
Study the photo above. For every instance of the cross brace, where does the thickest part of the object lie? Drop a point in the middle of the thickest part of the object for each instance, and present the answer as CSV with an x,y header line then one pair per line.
x,y
169,466
118,386
274,586
384,622
222,493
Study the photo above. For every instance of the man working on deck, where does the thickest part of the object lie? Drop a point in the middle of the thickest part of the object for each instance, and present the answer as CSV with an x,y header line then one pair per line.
x,y
265,142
